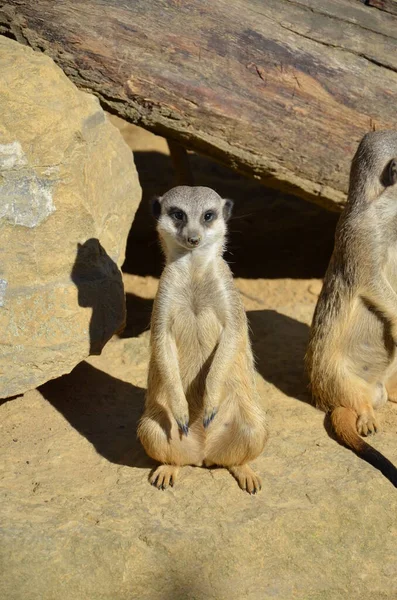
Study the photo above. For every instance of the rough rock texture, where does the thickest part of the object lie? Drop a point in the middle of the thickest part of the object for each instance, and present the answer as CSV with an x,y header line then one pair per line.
x,y
79,519
68,193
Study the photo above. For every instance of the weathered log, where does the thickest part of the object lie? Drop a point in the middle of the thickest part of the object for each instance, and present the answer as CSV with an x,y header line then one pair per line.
x,y
281,90
386,5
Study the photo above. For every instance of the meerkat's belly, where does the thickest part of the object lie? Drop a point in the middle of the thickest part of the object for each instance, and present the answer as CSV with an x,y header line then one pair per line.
x,y
196,334
366,344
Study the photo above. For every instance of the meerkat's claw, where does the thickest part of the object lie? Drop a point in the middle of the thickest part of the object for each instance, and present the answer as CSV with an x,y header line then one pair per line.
x,y
253,485
184,427
366,424
209,417
164,476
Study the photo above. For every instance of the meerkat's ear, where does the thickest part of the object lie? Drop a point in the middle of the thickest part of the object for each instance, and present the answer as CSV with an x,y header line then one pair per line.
x,y
391,173
227,209
156,206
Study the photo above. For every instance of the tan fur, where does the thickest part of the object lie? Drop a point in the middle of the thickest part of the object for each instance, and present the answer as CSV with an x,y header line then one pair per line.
x,y
351,357
201,374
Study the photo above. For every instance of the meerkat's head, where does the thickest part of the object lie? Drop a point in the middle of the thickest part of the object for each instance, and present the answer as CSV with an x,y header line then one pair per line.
x,y
190,218
374,167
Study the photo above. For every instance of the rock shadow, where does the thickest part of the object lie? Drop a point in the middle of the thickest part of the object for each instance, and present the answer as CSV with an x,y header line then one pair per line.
x,y
143,254
100,286
102,408
271,234
10,398
279,344
139,311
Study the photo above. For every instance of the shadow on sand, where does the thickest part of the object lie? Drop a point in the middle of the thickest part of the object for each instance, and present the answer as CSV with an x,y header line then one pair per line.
x,y
279,345
102,408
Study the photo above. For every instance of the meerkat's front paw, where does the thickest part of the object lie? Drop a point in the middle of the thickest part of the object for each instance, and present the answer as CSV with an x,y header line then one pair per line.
x,y
210,411
367,424
181,416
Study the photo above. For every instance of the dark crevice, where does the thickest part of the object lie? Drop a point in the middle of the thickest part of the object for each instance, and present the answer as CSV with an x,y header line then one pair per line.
x,y
387,6
8,34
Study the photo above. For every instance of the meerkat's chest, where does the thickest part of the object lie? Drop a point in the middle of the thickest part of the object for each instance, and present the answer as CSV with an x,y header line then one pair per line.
x,y
197,318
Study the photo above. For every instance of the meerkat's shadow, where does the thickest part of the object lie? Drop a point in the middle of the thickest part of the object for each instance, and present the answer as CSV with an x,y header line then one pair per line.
x,y
102,408
99,283
279,345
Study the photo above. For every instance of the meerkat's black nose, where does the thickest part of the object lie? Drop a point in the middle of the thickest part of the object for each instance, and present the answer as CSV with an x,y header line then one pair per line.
x,y
194,240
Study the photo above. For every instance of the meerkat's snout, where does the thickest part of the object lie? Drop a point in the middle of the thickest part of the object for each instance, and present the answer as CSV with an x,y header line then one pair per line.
x,y
194,240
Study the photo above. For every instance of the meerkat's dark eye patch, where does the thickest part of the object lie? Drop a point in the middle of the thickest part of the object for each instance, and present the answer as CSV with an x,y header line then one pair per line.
x,y
209,215
389,175
177,215
227,209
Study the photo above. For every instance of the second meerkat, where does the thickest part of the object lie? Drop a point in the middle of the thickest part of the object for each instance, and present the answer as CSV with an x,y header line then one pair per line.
x,y
351,358
201,405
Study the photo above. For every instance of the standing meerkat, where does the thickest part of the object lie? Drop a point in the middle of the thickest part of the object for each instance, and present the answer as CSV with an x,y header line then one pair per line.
x,y
351,358
201,404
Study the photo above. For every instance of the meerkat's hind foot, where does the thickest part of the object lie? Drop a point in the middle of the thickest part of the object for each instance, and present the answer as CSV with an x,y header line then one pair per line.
x,y
367,424
247,479
164,476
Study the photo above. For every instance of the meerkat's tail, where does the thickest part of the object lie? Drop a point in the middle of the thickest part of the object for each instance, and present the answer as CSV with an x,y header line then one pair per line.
x,y
344,424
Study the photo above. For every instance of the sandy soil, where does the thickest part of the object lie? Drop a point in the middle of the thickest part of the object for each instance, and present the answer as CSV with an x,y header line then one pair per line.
x,y
79,518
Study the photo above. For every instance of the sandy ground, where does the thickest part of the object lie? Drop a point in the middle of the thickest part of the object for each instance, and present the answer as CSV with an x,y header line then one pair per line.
x,y
79,519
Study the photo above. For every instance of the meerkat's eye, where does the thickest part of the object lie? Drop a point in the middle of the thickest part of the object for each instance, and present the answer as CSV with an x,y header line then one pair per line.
x,y
209,216
177,215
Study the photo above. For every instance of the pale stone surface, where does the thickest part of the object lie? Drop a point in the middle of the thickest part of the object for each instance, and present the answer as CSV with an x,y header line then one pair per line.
x,y
68,194
79,519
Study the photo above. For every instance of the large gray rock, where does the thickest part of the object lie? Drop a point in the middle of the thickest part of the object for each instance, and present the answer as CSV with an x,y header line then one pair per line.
x,y
68,194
